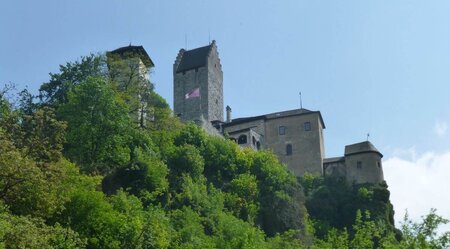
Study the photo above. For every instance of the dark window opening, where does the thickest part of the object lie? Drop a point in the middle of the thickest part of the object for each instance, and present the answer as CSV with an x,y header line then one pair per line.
x,y
288,149
253,140
379,164
281,130
258,145
242,139
359,165
307,126
233,139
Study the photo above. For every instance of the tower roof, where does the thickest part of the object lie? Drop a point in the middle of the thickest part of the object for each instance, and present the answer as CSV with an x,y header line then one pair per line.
x,y
362,147
129,51
194,58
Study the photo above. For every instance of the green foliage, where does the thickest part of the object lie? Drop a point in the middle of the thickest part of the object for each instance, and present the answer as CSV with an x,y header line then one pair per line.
x,y
424,234
27,187
138,178
55,92
97,137
244,197
332,203
146,176
24,232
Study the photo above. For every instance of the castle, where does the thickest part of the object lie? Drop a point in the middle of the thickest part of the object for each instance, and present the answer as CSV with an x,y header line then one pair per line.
x,y
295,136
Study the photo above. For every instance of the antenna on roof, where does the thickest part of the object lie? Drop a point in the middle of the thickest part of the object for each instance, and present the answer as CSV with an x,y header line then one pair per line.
x,y
209,37
301,104
368,135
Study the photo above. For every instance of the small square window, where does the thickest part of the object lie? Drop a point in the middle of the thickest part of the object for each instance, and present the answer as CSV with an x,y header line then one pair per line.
x,y
307,126
282,130
359,165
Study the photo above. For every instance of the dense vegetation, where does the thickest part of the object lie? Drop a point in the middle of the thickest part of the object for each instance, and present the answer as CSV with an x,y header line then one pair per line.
x,y
81,168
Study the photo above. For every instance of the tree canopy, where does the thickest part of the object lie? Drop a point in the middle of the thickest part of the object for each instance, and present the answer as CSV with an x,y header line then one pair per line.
x,y
79,168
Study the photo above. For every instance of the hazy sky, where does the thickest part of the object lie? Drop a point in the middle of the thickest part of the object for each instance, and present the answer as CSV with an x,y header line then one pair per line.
x,y
369,66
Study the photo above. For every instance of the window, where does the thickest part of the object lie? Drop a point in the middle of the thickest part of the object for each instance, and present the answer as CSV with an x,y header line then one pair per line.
x,y
258,145
233,139
307,126
379,164
281,130
288,149
359,165
242,139
254,140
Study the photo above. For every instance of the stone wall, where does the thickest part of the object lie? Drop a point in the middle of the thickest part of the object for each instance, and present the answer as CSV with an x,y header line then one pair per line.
x,y
185,82
307,146
215,86
364,168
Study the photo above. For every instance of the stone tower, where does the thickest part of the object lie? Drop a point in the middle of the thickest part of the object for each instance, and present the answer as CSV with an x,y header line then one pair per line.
x,y
198,86
129,67
363,163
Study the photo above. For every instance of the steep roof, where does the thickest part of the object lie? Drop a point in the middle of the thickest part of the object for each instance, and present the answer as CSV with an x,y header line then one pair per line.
x,y
194,58
295,112
132,50
362,147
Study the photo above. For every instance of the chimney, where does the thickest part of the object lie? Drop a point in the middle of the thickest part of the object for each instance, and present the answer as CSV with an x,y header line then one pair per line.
x,y
228,114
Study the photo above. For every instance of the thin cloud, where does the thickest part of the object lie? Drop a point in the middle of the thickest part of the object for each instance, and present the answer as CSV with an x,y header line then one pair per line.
x,y
418,184
440,128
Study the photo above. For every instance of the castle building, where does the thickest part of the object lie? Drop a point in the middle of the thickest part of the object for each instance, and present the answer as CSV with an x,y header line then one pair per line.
x,y
295,136
361,163
198,87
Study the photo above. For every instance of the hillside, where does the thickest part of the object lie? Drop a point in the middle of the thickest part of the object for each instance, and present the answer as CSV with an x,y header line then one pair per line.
x,y
80,167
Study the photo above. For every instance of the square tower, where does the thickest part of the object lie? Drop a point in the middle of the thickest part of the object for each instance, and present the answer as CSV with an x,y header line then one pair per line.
x,y
198,85
129,68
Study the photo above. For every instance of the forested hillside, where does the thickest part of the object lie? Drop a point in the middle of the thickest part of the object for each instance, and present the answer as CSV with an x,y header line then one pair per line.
x,y
78,169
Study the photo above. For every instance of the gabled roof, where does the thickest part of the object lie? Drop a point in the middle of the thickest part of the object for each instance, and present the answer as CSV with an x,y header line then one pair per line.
x,y
130,51
362,147
194,58
295,112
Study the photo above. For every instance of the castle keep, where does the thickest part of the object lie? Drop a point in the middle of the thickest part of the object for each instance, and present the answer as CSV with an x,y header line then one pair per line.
x,y
295,136
198,86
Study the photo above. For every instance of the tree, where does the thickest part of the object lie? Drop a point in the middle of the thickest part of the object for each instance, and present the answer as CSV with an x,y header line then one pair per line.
x,y
98,123
55,92
424,234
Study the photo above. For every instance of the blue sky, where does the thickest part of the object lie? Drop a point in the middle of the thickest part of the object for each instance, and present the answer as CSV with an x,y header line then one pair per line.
x,y
381,67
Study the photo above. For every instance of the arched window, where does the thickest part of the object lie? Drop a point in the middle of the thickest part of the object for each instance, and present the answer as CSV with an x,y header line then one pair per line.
x,y
233,139
288,149
242,139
